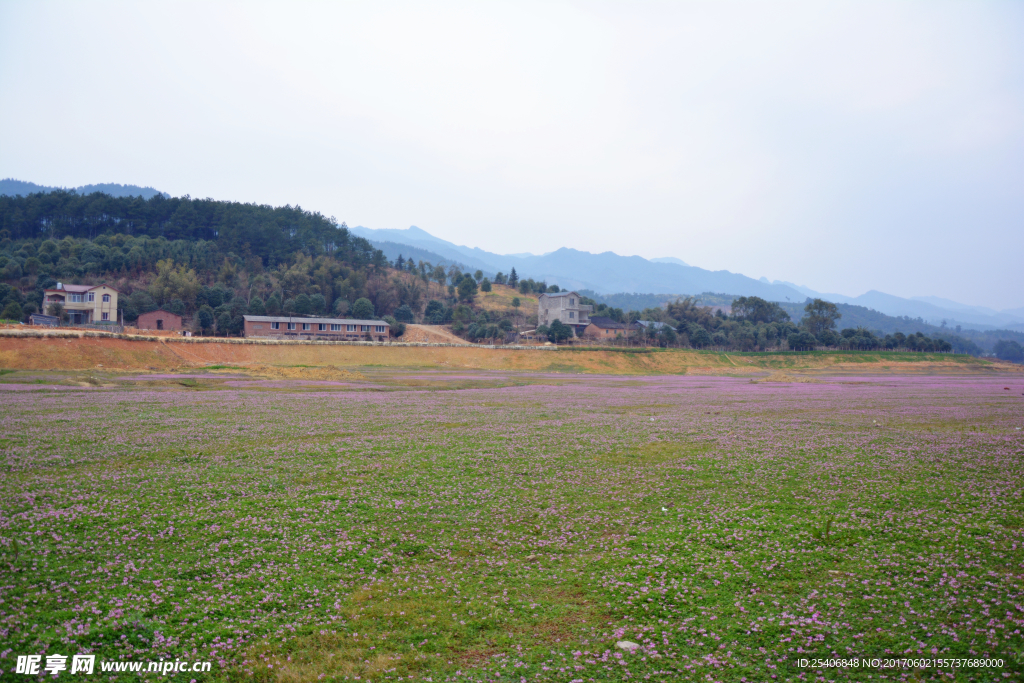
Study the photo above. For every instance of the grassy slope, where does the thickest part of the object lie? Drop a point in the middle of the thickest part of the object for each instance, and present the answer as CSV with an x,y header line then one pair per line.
x,y
500,299
116,354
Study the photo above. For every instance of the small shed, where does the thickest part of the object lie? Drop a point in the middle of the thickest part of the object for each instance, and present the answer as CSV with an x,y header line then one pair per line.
x,y
159,320
40,319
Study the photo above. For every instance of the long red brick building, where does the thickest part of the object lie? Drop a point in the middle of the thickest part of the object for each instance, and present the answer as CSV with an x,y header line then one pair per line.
x,y
296,327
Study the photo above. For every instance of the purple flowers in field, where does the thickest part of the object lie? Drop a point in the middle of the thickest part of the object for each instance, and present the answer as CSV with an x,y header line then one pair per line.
x,y
723,527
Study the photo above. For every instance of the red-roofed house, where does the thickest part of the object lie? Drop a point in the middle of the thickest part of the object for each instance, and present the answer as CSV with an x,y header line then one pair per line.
x,y
84,303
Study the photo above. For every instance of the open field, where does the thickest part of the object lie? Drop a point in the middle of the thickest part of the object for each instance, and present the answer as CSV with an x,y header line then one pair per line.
x,y
500,299
133,355
319,523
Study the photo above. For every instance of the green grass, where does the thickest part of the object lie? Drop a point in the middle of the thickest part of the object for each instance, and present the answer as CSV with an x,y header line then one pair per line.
x,y
475,532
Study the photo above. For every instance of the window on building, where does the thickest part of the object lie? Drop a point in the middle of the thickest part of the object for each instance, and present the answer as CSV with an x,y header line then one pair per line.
x,y
380,328
572,302
91,297
305,327
275,326
106,298
366,328
321,327
350,328
76,298
291,326
572,314
335,327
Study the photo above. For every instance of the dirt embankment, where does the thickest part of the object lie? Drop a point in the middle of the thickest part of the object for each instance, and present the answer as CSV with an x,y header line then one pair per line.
x,y
431,334
129,355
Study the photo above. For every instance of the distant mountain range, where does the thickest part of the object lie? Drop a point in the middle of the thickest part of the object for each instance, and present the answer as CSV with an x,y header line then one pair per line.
x,y
610,273
12,187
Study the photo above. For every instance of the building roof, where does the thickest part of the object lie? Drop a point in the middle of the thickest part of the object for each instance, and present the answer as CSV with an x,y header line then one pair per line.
x,y
301,319
607,323
557,294
77,289
653,324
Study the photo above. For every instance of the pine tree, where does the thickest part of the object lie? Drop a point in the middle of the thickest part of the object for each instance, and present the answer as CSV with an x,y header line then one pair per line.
x,y
513,278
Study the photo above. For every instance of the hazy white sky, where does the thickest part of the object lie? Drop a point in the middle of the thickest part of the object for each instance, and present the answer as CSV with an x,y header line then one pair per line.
x,y
845,146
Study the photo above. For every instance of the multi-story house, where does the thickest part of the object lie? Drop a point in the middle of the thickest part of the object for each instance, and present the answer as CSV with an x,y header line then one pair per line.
x,y
83,303
564,306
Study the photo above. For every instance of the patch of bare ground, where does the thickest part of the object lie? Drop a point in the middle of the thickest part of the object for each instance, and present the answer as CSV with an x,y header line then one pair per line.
x,y
575,612
785,377
328,373
431,334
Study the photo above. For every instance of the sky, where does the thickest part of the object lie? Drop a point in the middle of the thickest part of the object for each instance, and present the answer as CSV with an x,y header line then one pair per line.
x,y
845,146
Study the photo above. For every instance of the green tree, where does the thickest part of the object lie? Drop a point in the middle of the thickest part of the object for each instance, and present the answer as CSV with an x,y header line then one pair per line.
x,y
204,317
397,328
12,271
558,332
228,273
513,278
485,285
434,313
12,311
319,303
303,305
136,303
667,337
257,307
439,275
467,289
274,304
801,341
404,314
49,252
820,315
57,311
362,309
757,310
829,338
1005,349
175,283
224,323
699,337
478,275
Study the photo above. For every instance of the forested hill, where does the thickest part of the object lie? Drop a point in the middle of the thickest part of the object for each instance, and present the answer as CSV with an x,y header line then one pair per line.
x,y
11,186
274,234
